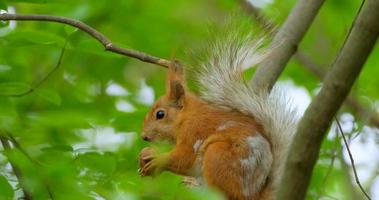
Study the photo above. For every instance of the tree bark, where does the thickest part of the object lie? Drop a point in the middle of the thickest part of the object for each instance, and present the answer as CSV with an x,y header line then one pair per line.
x,y
337,84
285,42
366,114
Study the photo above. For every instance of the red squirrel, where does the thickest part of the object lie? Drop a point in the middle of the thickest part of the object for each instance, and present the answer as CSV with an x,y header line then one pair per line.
x,y
229,137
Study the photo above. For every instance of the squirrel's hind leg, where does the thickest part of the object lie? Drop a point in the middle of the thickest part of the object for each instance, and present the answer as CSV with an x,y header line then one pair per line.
x,y
239,168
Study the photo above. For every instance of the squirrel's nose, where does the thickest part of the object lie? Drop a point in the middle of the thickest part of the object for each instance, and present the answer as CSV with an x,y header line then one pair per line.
x,y
145,137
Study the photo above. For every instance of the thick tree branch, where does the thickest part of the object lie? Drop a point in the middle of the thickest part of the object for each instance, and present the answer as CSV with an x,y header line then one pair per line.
x,y
285,42
6,146
107,43
337,84
363,112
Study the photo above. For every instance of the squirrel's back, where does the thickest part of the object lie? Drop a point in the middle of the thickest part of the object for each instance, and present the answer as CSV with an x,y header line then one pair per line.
x,y
222,84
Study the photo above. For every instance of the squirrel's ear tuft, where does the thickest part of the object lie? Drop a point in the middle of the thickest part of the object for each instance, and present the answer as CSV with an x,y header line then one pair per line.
x,y
176,68
175,72
176,93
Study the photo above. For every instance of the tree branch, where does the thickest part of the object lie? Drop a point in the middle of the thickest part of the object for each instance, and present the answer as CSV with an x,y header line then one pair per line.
x,y
17,146
107,43
310,65
5,143
364,113
351,159
262,20
337,84
351,192
285,43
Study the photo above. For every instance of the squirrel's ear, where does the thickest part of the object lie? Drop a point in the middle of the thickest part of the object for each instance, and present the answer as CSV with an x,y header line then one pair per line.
x,y
175,84
176,93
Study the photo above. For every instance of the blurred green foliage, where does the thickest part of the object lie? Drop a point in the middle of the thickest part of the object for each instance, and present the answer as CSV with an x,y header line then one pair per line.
x,y
61,124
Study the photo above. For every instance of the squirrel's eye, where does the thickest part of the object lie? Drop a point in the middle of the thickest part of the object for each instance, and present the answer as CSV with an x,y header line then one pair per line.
x,y
160,114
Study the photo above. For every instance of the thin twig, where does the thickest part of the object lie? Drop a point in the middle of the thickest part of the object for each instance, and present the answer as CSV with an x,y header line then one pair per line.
x,y
39,83
5,143
107,43
351,27
351,159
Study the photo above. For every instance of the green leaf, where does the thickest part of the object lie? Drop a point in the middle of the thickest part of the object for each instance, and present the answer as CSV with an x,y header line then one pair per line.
x,y
13,88
92,46
3,5
38,1
130,121
70,30
6,190
50,95
62,148
4,28
28,37
60,119
97,166
8,114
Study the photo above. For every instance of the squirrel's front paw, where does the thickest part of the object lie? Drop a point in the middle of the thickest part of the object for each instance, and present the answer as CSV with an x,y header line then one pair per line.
x,y
154,165
144,154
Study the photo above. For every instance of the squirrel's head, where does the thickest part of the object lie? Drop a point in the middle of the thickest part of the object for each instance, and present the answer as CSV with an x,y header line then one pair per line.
x,y
160,123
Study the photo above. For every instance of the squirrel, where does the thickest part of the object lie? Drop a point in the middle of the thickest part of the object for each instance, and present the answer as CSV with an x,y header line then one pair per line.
x,y
230,136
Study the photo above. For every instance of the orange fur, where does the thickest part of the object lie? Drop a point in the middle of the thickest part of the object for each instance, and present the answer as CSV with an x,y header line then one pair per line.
x,y
210,142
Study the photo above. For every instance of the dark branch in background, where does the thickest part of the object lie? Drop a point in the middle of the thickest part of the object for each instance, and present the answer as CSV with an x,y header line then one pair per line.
x,y
17,146
318,116
22,150
108,45
39,83
5,143
363,112
285,42
262,20
300,56
310,65
351,159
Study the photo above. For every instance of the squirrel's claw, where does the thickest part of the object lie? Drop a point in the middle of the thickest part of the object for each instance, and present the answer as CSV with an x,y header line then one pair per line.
x,y
149,169
154,166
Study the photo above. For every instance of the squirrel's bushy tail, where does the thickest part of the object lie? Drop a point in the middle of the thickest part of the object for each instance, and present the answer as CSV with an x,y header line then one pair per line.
x,y
221,83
